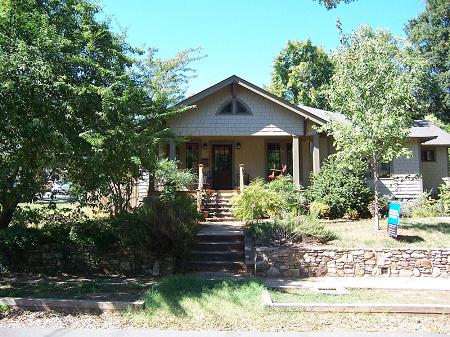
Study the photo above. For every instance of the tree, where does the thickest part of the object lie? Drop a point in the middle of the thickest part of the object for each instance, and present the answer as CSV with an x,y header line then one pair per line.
x,y
59,68
330,4
375,84
164,81
300,72
430,33
125,146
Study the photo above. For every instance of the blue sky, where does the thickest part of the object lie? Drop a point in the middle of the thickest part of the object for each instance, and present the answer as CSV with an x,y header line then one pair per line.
x,y
242,37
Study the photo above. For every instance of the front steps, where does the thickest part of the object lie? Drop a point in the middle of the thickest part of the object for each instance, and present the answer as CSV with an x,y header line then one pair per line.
x,y
219,247
218,204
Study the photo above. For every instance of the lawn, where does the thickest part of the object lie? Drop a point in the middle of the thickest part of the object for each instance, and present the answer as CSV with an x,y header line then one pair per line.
x,y
192,304
91,212
426,232
90,289
188,303
362,296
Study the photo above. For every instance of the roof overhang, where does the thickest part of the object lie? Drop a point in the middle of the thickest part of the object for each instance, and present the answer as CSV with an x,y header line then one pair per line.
x,y
260,91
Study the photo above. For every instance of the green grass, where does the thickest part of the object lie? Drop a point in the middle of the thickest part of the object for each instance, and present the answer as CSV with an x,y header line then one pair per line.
x,y
426,232
361,296
186,303
193,302
75,290
3,308
91,212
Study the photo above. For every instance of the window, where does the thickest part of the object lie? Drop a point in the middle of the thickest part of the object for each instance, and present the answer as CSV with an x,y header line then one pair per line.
x,y
241,109
227,109
428,155
192,156
289,157
384,170
273,156
234,107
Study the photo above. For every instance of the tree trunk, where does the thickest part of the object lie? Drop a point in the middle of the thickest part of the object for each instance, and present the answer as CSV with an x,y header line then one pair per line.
x,y
6,214
375,200
151,185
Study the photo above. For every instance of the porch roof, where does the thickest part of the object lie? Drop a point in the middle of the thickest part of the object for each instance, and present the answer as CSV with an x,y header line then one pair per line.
x,y
433,134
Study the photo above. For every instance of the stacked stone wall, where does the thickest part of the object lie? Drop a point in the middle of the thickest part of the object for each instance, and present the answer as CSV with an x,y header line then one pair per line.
x,y
296,261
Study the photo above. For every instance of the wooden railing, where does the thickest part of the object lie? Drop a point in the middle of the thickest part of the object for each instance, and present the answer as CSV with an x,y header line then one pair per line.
x,y
200,187
241,178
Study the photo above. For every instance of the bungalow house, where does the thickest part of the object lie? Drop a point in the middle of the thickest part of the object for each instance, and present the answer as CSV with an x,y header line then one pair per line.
x,y
239,131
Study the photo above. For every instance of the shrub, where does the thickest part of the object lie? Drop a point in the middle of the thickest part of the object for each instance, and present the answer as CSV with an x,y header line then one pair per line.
x,y
341,187
167,221
351,214
383,206
281,232
444,199
292,199
256,202
319,209
97,232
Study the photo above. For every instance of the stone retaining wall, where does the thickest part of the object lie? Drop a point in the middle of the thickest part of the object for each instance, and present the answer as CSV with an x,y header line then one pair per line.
x,y
296,261
53,259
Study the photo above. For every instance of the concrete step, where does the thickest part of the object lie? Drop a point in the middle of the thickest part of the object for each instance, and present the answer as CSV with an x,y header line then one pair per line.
x,y
224,246
221,266
233,255
220,214
220,237
221,219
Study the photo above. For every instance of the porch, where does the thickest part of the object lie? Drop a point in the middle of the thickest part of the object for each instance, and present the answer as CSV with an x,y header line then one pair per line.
x,y
221,162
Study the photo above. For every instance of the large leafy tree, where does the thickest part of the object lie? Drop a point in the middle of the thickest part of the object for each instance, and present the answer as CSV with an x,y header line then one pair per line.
x,y
59,68
430,33
127,144
300,73
376,84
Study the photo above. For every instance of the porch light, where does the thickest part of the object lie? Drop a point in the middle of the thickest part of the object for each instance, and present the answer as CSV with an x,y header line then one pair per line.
x,y
205,146
238,145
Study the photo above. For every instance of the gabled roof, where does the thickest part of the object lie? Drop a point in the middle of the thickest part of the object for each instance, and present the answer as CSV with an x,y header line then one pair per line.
x,y
319,119
429,133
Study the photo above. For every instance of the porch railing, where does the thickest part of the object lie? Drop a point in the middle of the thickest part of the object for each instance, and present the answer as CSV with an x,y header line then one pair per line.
x,y
201,183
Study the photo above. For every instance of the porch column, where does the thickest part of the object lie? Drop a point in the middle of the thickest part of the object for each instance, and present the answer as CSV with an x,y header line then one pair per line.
x,y
296,160
172,150
316,153
241,177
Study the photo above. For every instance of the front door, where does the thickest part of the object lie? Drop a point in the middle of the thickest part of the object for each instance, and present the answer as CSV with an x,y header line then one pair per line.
x,y
222,167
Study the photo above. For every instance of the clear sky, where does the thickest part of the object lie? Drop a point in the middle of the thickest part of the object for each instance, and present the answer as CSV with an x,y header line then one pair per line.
x,y
242,37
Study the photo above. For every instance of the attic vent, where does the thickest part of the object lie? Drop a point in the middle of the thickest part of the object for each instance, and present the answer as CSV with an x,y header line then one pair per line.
x,y
234,107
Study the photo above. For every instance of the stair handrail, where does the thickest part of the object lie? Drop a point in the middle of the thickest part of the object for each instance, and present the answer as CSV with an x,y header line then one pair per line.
x,y
200,187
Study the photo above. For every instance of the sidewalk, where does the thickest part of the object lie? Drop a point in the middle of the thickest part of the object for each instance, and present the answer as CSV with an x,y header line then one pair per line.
x,y
41,332
413,283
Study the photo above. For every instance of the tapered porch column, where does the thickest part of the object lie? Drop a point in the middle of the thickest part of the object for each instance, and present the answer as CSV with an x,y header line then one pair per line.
x,y
296,160
316,153
172,150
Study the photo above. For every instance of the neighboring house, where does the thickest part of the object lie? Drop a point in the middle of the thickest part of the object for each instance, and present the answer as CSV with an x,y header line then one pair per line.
x,y
236,122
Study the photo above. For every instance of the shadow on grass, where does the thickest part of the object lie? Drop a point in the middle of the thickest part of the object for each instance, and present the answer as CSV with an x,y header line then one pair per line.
x,y
410,238
440,227
172,291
